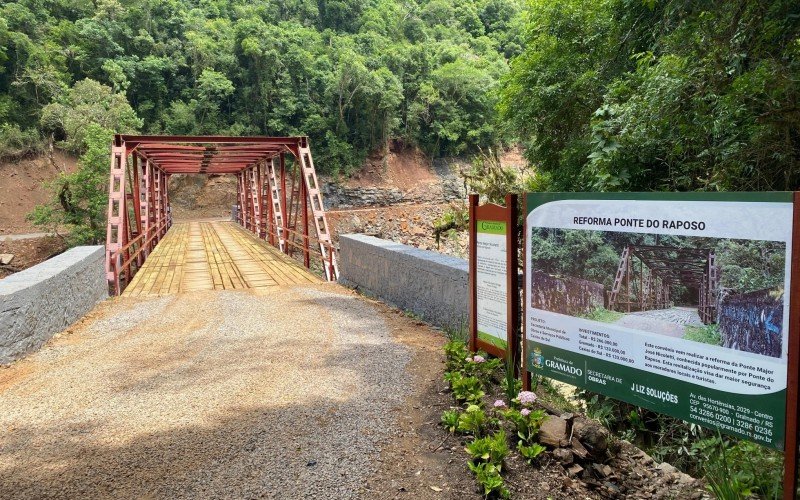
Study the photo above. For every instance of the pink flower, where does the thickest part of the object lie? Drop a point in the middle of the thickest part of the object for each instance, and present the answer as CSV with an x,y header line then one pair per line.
x,y
499,404
525,412
526,397
478,358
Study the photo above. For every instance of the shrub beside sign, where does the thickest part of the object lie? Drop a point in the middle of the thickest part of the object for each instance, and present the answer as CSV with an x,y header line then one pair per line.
x,y
674,302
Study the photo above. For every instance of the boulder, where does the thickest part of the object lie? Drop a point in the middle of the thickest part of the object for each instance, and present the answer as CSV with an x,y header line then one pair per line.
x,y
592,435
563,456
553,432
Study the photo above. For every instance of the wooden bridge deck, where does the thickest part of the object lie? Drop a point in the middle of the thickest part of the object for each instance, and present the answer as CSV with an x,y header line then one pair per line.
x,y
214,255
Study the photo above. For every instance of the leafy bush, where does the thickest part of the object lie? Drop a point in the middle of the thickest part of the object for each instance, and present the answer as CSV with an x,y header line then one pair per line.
x,y
531,452
450,420
481,366
80,199
456,353
738,469
526,424
491,449
474,421
453,220
466,389
16,143
488,476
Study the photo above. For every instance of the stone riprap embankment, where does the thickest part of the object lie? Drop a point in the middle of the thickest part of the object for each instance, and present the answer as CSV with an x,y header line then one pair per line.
x,y
565,295
42,300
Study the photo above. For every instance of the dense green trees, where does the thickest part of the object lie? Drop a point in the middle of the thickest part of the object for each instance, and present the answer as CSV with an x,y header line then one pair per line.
x,y
594,255
604,94
349,73
659,94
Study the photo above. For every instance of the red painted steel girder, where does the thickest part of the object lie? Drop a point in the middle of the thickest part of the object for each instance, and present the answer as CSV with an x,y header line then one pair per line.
x,y
207,154
134,140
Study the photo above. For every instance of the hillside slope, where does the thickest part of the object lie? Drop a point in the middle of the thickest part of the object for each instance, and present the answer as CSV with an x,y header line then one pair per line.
x,y
22,187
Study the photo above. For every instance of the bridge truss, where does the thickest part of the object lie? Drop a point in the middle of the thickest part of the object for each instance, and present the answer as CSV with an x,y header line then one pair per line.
x,y
646,273
278,196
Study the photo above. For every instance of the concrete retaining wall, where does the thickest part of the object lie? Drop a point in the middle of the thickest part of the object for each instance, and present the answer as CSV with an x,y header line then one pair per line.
x,y
567,295
41,301
429,284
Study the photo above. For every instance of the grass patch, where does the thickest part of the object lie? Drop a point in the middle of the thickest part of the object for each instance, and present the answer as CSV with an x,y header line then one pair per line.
x,y
603,315
708,334
489,339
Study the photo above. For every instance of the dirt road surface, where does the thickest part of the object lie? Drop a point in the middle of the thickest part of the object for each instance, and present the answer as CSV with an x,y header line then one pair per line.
x,y
292,393
671,322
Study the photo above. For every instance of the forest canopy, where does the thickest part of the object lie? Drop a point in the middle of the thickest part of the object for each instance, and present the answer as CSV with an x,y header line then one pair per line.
x,y
746,265
350,74
614,95
603,95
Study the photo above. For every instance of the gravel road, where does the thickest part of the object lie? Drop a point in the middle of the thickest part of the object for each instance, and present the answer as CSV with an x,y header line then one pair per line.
x,y
671,322
287,394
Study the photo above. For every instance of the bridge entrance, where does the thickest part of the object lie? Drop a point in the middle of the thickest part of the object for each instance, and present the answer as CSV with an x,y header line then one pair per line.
x,y
278,202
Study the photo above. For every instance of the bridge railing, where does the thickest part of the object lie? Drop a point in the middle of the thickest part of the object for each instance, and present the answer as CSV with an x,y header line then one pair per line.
x,y
307,244
129,258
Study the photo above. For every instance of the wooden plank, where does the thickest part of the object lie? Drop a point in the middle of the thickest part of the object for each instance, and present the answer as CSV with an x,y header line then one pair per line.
x,y
214,256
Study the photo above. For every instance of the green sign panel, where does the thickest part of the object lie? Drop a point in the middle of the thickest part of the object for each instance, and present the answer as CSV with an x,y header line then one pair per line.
x,y
492,283
492,227
674,302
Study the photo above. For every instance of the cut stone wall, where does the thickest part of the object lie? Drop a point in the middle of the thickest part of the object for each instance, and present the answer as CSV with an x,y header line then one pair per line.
x,y
43,300
753,321
431,285
567,295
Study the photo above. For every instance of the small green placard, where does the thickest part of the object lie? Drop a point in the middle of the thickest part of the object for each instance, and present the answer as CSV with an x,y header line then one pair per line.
x,y
491,227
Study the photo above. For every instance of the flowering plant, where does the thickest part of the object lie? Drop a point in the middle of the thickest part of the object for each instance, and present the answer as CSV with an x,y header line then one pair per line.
x,y
527,397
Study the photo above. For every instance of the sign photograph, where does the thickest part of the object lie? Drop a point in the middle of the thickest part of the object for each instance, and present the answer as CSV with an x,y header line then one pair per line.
x,y
674,302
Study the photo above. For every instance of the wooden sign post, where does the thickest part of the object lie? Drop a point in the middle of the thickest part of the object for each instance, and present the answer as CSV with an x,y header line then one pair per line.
x,y
493,279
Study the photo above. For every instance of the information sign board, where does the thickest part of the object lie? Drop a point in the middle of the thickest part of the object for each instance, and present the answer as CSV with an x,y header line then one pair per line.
x,y
494,299
492,282
677,302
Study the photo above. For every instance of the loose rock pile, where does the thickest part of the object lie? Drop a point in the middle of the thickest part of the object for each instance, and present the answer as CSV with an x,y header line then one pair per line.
x,y
595,462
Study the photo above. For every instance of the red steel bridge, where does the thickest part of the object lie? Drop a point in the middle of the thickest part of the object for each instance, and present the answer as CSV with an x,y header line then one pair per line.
x,y
279,200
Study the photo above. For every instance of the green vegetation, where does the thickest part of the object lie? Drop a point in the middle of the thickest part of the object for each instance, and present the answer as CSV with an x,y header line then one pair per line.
x,y
708,334
488,446
490,449
603,315
733,467
671,95
594,255
603,95
350,74
455,219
